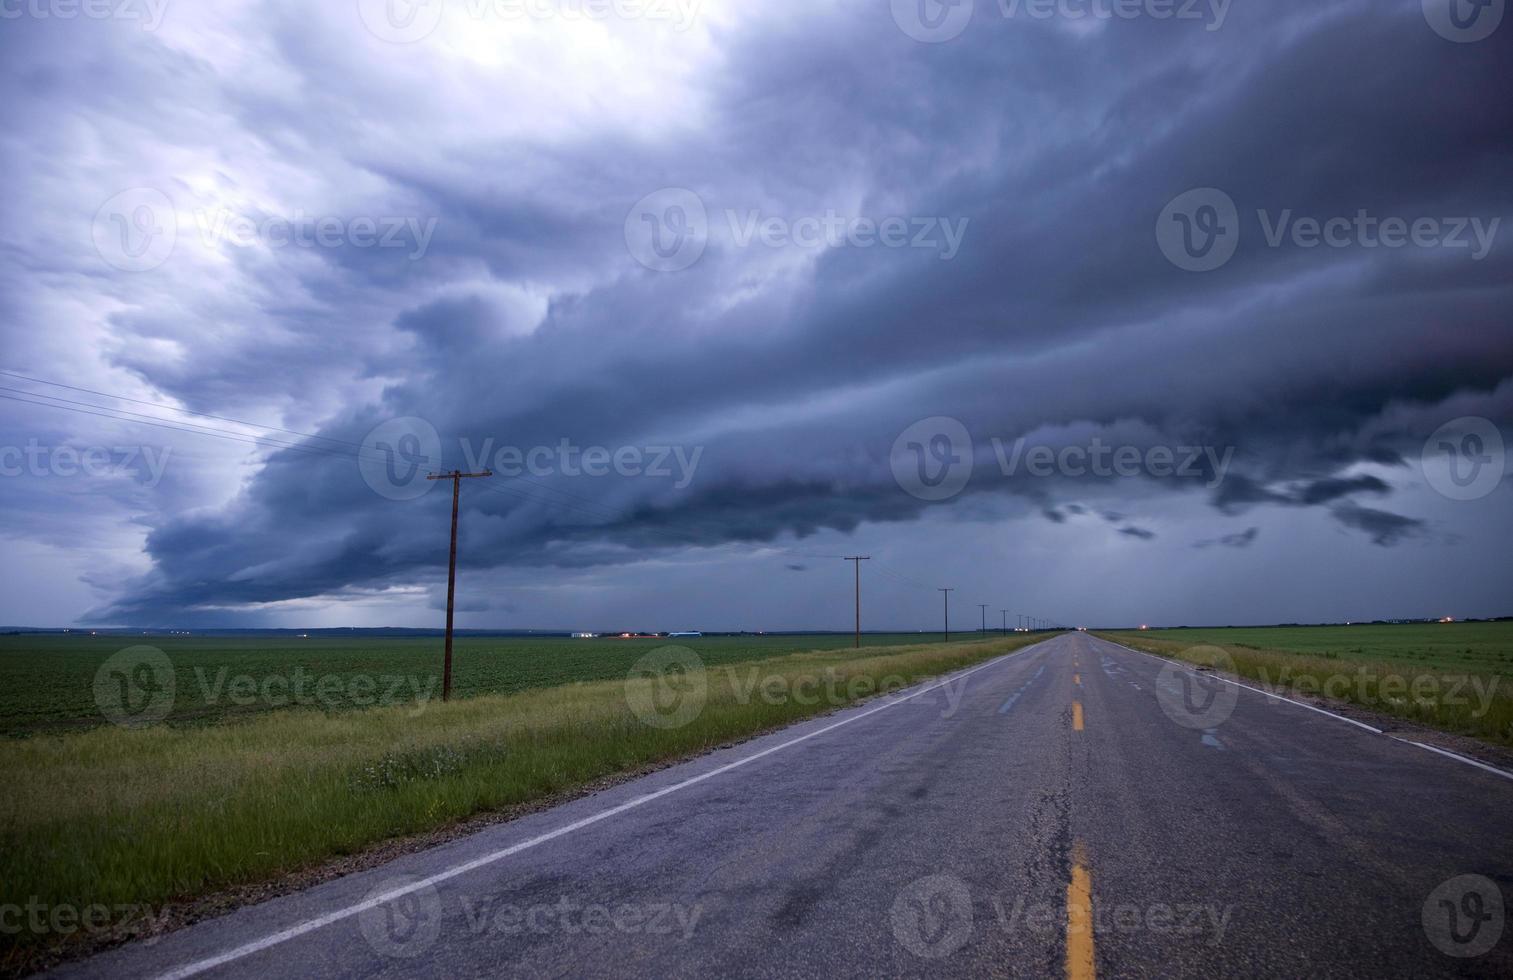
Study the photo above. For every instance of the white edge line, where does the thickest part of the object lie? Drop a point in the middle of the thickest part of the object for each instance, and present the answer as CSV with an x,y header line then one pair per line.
x,y
1458,758
310,925
1260,691
1449,755
1300,704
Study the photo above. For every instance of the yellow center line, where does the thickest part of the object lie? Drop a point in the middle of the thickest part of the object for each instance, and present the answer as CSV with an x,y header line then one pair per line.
x,y
1079,919
1076,716
1077,679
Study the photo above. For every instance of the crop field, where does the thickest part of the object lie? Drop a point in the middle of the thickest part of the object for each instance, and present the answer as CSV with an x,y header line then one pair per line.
x,y
47,680
1453,676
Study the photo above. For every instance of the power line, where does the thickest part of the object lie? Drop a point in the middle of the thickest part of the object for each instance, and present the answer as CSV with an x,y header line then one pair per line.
x,y
127,417
233,437
359,447
132,416
889,570
172,408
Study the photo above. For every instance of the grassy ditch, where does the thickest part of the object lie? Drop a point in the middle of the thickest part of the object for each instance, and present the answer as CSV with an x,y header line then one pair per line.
x,y
1446,676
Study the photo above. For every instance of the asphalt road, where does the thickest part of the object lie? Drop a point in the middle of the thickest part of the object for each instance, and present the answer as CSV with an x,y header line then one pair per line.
x,y
1065,810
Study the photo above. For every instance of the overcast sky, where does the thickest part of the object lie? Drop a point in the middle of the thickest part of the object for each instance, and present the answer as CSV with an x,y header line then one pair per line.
x,y
1194,312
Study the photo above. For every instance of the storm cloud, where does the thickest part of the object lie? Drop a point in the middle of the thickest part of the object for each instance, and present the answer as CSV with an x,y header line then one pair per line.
x,y
755,398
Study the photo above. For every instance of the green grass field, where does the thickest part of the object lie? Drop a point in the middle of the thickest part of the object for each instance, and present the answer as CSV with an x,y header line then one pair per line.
x,y
1453,676
46,680
128,819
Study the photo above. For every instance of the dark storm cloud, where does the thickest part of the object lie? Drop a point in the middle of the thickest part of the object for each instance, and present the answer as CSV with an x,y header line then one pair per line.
x,y
1240,539
1385,528
528,323
1324,491
1241,493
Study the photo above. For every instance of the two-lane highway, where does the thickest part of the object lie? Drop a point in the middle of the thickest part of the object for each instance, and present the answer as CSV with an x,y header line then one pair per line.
x,y
1071,809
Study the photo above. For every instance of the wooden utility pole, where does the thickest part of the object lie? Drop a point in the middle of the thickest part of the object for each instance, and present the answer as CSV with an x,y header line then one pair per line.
x,y
946,594
1005,621
456,476
857,560
984,607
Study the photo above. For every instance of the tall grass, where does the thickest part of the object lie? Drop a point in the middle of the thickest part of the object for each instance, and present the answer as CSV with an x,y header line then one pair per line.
x,y
115,816
1475,703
